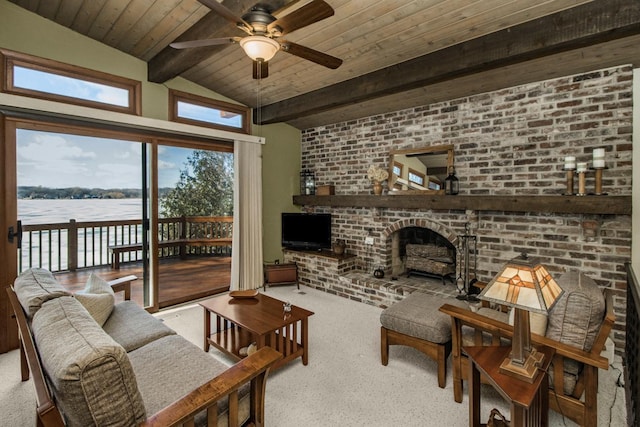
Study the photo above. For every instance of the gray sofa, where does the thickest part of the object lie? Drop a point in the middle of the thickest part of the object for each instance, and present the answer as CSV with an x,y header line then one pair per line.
x,y
118,365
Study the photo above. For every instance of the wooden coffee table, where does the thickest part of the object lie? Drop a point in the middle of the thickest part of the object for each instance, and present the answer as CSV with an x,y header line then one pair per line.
x,y
262,319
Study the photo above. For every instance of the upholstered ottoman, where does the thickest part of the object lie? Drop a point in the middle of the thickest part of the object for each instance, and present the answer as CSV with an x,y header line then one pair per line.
x,y
416,322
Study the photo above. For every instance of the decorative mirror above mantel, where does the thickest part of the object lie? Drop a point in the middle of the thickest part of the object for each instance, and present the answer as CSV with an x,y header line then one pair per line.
x,y
419,170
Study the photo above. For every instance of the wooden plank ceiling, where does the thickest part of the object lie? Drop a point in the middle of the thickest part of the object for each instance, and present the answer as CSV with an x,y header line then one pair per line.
x,y
397,53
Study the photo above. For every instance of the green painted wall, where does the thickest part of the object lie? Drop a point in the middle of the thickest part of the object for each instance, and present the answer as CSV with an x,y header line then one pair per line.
x,y
280,181
23,31
47,39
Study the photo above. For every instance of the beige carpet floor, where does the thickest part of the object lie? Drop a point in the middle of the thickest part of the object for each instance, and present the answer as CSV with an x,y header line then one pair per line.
x,y
344,383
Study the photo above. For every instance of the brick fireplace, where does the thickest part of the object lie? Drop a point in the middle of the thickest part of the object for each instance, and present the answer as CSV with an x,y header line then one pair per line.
x,y
507,142
430,251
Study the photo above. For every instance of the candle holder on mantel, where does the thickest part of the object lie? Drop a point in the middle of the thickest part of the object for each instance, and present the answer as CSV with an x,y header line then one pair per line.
x,y
570,167
598,166
570,173
598,180
582,179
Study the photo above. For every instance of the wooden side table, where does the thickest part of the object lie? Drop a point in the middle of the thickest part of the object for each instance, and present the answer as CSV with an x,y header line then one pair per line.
x,y
281,274
529,402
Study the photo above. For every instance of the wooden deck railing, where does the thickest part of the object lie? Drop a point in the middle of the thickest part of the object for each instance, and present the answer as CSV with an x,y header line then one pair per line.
x,y
72,245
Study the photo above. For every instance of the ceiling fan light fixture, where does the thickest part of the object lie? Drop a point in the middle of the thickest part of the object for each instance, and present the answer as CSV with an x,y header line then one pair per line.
x,y
259,48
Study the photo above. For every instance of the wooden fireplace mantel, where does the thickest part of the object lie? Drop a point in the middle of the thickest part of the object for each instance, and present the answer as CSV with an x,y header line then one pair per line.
x,y
603,205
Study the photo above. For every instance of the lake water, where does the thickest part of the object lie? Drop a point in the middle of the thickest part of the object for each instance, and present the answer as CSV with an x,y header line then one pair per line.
x,y
43,211
49,250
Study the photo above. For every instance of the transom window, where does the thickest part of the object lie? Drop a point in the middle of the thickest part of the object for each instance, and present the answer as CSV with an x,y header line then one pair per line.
x,y
201,111
416,177
397,169
56,81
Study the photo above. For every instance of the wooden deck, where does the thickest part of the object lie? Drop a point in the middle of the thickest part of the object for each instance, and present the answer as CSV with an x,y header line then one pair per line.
x,y
181,280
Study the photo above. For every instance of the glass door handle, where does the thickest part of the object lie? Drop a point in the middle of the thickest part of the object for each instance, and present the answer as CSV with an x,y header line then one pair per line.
x,y
11,234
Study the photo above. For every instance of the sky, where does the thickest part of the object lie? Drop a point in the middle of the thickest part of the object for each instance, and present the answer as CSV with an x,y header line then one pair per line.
x,y
59,160
68,86
62,160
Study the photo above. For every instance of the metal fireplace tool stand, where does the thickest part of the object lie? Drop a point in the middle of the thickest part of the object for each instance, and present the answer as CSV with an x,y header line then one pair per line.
x,y
463,282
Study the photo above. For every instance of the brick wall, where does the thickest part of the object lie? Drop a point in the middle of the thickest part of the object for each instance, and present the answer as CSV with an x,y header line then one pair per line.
x,y
511,141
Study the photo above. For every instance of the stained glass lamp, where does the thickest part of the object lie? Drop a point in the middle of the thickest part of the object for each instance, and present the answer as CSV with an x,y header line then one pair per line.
x,y
525,285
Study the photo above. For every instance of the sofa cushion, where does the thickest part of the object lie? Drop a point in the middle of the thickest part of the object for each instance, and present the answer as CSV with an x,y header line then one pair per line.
x,y
171,367
98,298
89,373
36,286
131,326
576,318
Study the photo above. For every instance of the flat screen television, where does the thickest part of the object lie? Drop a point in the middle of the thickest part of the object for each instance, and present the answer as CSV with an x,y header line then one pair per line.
x,y
306,231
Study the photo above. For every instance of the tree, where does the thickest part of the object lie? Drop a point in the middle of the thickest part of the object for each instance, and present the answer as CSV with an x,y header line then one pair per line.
x,y
205,187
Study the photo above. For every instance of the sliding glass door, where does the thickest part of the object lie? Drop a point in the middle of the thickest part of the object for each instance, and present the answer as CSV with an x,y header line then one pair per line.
x,y
195,218
81,204
80,200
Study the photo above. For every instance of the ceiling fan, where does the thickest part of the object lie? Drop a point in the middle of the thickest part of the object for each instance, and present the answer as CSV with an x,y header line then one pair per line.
x,y
264,31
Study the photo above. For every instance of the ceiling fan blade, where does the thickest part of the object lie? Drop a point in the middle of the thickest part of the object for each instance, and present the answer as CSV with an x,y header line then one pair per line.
x,y
226,14
202,43
260,69
315,11
311,55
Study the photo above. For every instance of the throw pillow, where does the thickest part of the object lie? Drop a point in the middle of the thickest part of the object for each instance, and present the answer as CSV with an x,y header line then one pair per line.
x,y
576,318
97,285
98,298
99,306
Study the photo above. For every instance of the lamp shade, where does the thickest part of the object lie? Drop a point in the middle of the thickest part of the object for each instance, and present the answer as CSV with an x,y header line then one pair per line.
x,y
259,47
523,283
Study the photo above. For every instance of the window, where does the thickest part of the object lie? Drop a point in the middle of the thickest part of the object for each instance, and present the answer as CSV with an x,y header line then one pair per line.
x,y
416,177
197,110
397,169
434,185
56,81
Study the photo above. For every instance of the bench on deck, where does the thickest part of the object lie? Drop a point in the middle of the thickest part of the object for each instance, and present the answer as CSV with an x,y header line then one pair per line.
x,y
182,244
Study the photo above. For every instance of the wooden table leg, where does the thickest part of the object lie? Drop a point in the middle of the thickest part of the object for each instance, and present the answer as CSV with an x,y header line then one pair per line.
x,y
474,395
207,329
544,402
518,415
305,341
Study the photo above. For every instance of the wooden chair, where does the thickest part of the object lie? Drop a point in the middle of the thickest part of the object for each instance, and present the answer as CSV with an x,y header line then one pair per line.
x,y
582,411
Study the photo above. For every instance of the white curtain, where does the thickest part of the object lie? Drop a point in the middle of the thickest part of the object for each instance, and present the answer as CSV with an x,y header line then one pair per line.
x,y
246,259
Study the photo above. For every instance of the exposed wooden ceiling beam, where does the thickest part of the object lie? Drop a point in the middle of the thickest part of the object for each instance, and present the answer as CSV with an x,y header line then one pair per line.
x,y
171,62
615,53
589,24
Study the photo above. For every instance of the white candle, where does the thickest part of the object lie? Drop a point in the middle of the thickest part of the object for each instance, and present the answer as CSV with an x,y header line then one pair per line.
x,y
582,167
569,162
598,157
